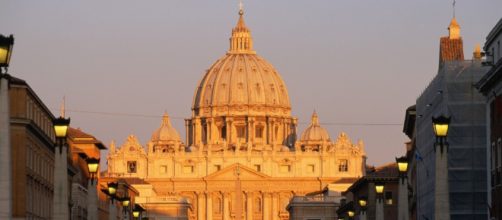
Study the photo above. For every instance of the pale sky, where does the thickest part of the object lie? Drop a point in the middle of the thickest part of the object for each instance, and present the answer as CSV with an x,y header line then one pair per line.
x,y
356,62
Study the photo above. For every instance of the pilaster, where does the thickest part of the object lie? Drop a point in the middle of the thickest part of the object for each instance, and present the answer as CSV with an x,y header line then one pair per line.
x,y
201,205
403,199
92,201
226,207
5,151
441,191
60,199
379,215
249,205
209,206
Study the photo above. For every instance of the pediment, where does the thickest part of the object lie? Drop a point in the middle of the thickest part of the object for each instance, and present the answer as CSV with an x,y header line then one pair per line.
x,y
237,170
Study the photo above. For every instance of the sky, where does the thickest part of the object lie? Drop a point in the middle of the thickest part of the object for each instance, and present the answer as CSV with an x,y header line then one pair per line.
x,y
122,63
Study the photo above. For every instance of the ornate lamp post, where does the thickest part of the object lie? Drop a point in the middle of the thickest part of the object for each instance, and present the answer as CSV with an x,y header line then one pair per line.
x,y
363,202
60,206
441,192
402,165
92,195
6,44
379,189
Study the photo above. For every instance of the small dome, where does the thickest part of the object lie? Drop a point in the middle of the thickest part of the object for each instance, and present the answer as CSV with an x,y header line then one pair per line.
x,y
166,132
315,132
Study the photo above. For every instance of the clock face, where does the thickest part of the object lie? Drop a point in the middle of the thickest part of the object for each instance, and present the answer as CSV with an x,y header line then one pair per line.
x,y
131,148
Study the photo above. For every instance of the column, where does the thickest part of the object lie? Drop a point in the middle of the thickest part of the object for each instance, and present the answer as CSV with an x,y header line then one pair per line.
x,y
266,206
5,151
402,213
379,208
248,129
275,202
229,130
249,205
251,131
187,132
226,207
200,206
441,191
209,131
362,215
268,130
112,211
60,199
209,206
198,132
92,201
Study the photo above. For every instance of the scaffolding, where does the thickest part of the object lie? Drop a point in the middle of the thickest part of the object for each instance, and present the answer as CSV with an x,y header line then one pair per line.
x,y
452,93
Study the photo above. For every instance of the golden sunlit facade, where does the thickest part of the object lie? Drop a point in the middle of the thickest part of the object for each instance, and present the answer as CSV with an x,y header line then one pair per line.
x,y
241,158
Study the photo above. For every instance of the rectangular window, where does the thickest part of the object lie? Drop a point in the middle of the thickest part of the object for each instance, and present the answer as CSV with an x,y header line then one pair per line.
x,y
259,132
131,166
257,167
285,168
241,132
217,167
310,168
343,165
163,169
388,198
188,169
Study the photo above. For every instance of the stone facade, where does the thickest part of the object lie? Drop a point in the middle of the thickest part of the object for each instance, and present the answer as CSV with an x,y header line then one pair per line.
x,y
242,159
32,138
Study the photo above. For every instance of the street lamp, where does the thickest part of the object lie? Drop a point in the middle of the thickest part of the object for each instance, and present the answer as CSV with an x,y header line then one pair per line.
x,y
61,125
441,126
92,166
6,44
112,188
350,213
125,201
402,166
379,187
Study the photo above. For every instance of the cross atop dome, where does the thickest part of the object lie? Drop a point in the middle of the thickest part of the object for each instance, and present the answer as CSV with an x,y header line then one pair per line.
x,y
315,119
241,41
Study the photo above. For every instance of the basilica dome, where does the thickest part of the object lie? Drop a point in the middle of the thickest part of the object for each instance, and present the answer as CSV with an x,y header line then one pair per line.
x,y
166,132
315,132
241,80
